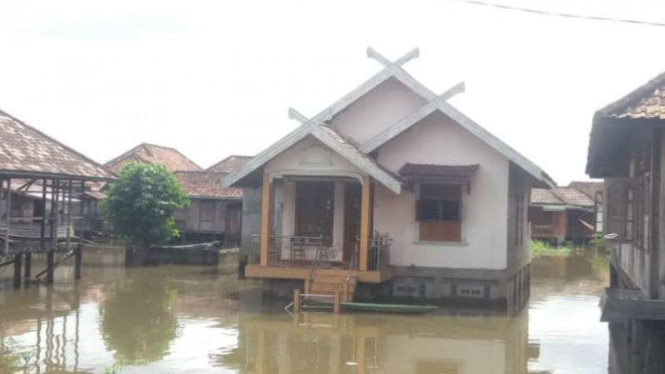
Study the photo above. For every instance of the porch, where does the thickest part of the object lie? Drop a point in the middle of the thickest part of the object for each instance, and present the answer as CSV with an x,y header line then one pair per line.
x,y
315,227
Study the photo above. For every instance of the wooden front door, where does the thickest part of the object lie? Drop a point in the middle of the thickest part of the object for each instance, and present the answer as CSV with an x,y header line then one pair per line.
x,y
351,219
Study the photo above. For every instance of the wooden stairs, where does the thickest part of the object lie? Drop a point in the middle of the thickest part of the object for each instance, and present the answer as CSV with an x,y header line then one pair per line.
x,y
322,284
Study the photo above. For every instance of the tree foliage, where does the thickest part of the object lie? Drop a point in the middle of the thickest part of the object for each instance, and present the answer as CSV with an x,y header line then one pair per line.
x,y
141,203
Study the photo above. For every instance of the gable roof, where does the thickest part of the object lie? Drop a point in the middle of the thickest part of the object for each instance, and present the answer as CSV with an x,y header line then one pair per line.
x,y
205,184
589,188
229,164
27,151
647,102
147,153
389,71
567,196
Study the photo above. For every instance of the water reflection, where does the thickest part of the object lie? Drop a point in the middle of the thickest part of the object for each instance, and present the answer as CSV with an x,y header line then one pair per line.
x,y
186,319
143,335
364,343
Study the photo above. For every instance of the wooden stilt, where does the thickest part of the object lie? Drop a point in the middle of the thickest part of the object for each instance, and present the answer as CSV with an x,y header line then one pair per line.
x,y
296,300
265,219
17,271
50,260
28,265
79,247
364,225
336,302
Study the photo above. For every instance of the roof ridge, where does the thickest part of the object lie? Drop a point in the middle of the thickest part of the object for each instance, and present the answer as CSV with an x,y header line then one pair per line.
x,y
634,95
86,158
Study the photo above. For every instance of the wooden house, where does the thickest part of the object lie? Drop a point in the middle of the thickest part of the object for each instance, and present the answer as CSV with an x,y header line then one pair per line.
x,y
214,213
212,210
42,182
626,149
394,189
564,214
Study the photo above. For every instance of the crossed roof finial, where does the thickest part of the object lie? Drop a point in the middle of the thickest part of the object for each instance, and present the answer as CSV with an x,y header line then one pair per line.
x,y
414,53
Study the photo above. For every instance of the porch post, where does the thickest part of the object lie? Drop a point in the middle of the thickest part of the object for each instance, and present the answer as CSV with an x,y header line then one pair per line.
x,y
265,219
364,225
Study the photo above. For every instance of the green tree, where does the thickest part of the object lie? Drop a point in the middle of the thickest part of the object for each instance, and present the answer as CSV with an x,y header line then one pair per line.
x,y
141,204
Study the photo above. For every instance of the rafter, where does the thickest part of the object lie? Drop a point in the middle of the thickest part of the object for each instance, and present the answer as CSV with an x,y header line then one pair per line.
x,y
412,54
411,119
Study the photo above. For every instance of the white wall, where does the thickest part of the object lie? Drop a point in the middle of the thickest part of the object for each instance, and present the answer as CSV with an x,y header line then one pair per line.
x,y
438,140
377,110
311,158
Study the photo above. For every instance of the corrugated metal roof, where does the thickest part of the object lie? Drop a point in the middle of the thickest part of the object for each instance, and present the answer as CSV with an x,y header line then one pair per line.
x,y
146,153
27,151
206,184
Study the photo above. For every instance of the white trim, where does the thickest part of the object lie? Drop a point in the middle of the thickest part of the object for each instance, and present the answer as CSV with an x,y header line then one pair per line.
x,y
282,173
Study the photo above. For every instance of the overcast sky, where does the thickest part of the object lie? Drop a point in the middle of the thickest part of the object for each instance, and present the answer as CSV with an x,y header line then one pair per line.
x,y
216,78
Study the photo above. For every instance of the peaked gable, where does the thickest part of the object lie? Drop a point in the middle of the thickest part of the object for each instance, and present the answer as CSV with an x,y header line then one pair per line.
x,y
394,73
147,153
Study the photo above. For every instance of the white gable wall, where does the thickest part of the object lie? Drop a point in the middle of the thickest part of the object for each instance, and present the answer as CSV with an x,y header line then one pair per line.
x,y
377,110
438,140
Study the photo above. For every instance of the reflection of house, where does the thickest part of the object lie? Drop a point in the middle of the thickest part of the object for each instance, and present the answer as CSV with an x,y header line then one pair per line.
x,y
395,182
626,148
565,213
213,212
320,343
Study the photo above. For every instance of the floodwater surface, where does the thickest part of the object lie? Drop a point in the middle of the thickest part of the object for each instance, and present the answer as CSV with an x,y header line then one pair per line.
x,y
188,319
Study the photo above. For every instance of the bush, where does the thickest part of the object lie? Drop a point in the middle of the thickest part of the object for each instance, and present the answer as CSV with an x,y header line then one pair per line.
x,y
141,204
542,249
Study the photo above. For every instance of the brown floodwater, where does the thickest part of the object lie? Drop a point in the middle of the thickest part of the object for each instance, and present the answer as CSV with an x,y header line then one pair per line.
x,y
189,319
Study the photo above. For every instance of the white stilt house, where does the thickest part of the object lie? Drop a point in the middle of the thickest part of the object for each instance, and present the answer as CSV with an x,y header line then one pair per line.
x,y
390,185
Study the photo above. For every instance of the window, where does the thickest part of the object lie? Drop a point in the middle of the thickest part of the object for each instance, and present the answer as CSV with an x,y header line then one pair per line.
x,y
439,213
207,211
314,209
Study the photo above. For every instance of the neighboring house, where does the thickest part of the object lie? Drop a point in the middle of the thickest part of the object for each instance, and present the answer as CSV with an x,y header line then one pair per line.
x,y
146,153
564,214
626,149
390,185
41,182
214,212
229,164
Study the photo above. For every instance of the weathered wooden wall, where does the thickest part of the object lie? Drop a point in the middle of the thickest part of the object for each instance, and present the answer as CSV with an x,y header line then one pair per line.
x,y
215,216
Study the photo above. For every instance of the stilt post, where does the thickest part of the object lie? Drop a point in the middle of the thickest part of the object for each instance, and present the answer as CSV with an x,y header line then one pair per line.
x,y
265,219
17,271
296,300
79,247
28,265
50,266
364,224
336,303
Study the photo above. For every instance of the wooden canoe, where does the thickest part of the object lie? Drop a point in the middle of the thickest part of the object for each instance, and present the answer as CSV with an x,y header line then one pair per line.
x,y
387,308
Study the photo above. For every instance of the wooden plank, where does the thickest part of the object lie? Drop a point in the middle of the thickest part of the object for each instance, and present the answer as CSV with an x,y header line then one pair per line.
x,y
265,219
364,225
296,300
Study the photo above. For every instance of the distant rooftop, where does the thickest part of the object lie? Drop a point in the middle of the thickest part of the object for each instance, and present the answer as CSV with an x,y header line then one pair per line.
x,y
229,164
147,153
26,151
205,184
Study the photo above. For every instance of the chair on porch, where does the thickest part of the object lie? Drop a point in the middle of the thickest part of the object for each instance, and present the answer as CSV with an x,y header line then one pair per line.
x,y
298,248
